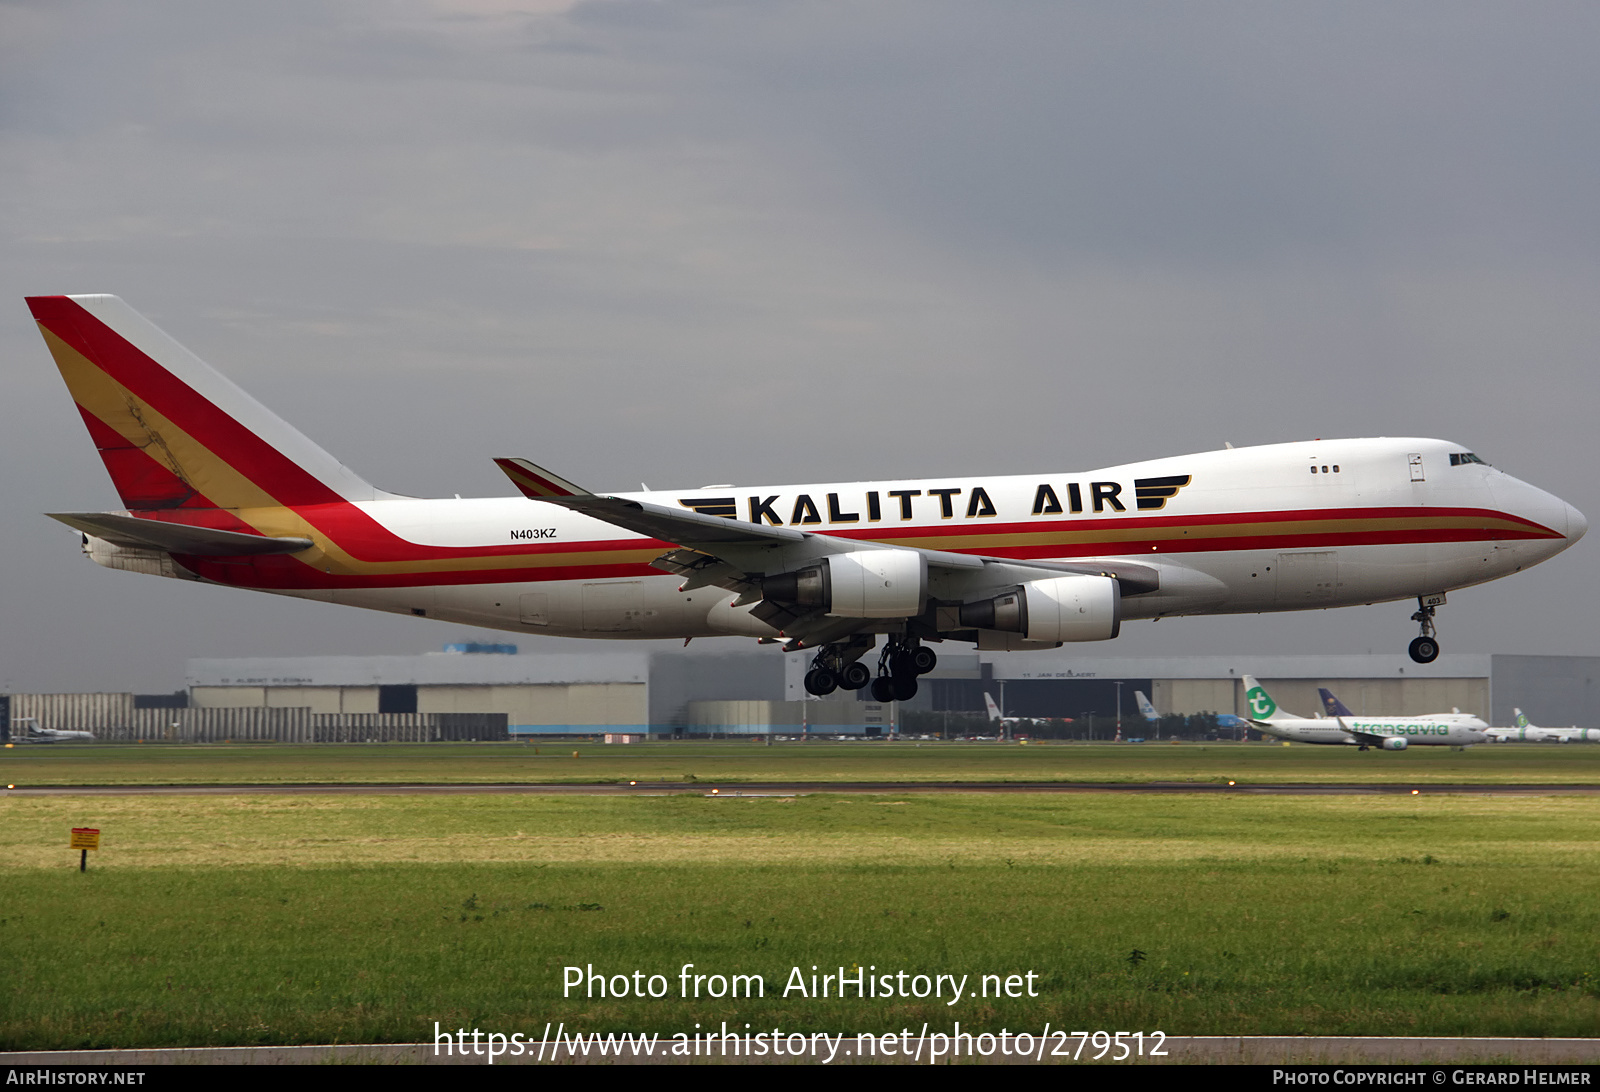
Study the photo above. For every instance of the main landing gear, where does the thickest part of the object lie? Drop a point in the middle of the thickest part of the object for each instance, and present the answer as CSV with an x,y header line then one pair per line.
x,y
1425,649
839,666
902,661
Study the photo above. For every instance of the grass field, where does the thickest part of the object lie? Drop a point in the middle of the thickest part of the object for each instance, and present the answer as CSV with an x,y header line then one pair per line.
x,y
724,762
269,919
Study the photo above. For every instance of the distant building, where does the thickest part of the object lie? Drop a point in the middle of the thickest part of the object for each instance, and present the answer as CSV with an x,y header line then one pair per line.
x,y
760,691
625,693
1061,684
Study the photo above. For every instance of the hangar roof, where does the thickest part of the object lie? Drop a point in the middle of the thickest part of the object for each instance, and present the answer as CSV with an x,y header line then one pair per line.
x,y
431,669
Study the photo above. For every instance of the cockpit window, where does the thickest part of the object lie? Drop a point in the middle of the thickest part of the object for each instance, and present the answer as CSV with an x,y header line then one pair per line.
x,y
1465,458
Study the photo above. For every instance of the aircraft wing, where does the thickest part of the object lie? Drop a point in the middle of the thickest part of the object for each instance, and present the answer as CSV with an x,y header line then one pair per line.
x,y
1366,739
681,527
736,544
732,554
177,538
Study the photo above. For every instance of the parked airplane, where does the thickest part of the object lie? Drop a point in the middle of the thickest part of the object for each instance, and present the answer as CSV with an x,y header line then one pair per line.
x,y
1385,733
1336,708
1527,732
27,730
1146,710
994,712
218,489
1006,724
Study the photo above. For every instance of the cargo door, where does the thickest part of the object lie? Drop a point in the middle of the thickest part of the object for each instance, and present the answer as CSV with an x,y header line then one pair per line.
x,y
616,607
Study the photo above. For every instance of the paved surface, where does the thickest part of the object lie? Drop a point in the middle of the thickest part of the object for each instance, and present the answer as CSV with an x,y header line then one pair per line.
x,y
658,788
1192,1050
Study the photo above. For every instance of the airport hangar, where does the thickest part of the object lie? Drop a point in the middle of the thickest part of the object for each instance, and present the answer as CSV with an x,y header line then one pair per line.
x,y
759,692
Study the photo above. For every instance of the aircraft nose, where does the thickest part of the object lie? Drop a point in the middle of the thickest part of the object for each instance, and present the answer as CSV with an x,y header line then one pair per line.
x,y
1576,524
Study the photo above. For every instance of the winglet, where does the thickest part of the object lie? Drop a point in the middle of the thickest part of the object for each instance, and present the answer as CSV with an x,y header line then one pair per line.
x,y
536,482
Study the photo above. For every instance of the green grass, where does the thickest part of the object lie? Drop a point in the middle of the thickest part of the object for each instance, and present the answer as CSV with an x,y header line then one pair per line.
x,y
237,920
723,762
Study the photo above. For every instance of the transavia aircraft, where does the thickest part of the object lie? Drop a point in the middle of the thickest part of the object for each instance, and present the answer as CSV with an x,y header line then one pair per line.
x,y
1526,732
1385,733
218,489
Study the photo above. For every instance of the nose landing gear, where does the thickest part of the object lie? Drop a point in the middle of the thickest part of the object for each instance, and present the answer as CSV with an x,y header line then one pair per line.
x,y
1425,649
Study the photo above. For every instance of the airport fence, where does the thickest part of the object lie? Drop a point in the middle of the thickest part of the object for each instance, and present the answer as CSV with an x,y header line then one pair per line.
x,y
114,719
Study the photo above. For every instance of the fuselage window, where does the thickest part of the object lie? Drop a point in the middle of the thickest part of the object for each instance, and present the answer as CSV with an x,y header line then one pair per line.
x,y
1465,458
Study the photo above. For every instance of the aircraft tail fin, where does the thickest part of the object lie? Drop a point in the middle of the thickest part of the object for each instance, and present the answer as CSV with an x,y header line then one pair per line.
x,y
1262,707
1334,707
988,703
174,433
1522,718
1146,710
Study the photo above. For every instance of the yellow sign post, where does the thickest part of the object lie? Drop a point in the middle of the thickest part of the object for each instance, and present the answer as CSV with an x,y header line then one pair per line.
x,y
84,839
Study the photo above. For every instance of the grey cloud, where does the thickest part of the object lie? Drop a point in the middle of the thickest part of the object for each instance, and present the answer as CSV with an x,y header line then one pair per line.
x,y
697,242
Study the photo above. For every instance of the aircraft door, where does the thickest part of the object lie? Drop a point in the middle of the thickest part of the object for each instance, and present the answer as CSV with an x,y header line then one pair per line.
x,y
616,607
1414,460
534,609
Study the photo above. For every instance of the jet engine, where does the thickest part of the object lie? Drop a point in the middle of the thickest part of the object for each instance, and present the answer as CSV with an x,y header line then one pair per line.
x,y
1394,743
858,584
1062,608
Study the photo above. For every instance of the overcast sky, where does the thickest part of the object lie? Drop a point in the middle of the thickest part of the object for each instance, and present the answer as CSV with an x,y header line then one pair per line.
x,y
686,242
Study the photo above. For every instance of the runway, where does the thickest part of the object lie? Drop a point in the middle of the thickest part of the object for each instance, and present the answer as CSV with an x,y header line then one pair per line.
x,y
737,790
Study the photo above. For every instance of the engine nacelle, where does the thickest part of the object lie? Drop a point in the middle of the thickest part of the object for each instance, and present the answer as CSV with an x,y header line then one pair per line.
x,y
1062,608
1395,743
858,584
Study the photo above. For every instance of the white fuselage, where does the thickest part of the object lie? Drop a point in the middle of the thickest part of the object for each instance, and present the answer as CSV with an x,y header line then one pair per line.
x,y
1456,730
1284,527
1255,531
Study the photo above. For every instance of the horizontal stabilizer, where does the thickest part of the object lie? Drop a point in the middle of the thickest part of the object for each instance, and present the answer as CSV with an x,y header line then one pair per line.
x,y
537,483
131,532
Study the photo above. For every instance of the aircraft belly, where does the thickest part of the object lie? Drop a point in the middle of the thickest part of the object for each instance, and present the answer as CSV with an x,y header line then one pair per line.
x,y
642,609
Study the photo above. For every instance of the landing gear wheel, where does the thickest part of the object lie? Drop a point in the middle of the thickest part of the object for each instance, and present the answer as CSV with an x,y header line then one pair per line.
x,y
883,689
821,682
905,687
1424,650
924,659
855,676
